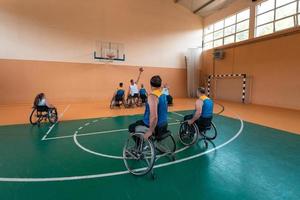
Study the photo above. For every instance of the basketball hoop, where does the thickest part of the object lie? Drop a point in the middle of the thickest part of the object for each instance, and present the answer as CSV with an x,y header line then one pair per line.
x,y
109,52
110,56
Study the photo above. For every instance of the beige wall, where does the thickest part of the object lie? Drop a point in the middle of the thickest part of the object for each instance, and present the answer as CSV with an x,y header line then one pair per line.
x,y
75,82
47,46
155,32
272,66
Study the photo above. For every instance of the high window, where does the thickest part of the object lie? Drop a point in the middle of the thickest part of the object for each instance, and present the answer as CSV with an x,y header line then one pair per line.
x,y
232,29
276,15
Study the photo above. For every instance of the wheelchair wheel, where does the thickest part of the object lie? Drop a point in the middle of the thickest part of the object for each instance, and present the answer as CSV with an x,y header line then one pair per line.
x,y
166,145
35,117
129,103
112,103
138,154
188,134
52,115
210,133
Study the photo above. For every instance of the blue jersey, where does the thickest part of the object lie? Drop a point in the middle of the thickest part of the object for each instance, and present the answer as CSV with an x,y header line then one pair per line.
x,y
120,93
143,91
162,109
207,107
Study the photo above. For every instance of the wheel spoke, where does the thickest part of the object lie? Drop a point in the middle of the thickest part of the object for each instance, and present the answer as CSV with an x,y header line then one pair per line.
x,y
143,155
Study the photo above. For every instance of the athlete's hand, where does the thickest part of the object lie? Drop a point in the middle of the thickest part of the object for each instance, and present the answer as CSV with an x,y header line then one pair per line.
x,y
147,135
190,122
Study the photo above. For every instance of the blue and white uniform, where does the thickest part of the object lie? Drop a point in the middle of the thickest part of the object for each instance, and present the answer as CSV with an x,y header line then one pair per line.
x,y
162,110
207,107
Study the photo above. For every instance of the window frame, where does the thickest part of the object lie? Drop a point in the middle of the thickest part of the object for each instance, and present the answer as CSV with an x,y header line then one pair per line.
x,y
224,27
295,17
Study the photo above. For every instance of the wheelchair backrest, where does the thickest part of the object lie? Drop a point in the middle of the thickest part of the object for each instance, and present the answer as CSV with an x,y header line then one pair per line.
x,y
42,108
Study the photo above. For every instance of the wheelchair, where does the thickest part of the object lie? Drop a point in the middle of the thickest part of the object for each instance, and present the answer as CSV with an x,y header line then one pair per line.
x,y
140,154
43,113
170,100
142,100
132,101
189,134
118,102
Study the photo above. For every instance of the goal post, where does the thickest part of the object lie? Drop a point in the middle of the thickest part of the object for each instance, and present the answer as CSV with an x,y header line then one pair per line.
x,y
222,76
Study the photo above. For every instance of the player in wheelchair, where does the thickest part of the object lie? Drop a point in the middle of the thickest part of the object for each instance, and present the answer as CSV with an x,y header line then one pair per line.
x,y
166,91
150,135
200,123
143,95
118,98
42,110
133,94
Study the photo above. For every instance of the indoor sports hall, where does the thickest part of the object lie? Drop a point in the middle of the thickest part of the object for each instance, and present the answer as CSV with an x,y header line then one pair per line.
x,y
150,99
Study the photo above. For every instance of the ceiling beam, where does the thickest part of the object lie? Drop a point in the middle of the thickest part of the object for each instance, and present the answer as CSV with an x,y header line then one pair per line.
x,y
203,6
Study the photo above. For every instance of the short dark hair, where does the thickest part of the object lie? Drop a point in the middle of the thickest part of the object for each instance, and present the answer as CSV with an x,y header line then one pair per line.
x,y
155,81
121,84
202,90
131,80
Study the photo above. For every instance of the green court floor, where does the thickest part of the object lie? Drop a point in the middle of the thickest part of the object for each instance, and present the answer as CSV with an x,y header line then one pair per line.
x,y
81,159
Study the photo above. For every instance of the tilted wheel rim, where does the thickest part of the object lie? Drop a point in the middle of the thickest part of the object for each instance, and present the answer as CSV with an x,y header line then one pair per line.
x,y
147,157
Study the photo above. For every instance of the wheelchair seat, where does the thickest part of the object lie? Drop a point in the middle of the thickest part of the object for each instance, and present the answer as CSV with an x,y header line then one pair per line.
x,y
159,134
42,108
162,135
207,127
119,98
141,129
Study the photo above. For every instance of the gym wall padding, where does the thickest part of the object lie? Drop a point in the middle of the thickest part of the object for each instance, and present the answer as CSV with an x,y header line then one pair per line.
x,y
68,82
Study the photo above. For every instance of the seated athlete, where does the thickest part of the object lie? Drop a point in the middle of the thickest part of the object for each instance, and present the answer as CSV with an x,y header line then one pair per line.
x,y
41,101
119,95
167,93
156,111
203,113
133,92
143,94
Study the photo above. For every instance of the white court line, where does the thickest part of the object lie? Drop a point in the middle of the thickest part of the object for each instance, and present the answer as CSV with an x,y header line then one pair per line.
x,y
94,133
59,117
178,114
112,156
93,176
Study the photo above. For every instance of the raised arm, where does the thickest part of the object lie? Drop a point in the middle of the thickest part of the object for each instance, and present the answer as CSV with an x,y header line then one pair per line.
x,y
139,76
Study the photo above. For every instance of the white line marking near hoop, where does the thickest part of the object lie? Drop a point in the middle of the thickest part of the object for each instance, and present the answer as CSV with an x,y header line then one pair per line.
x,y
60,117
85,134
107,155
93,176
112,156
